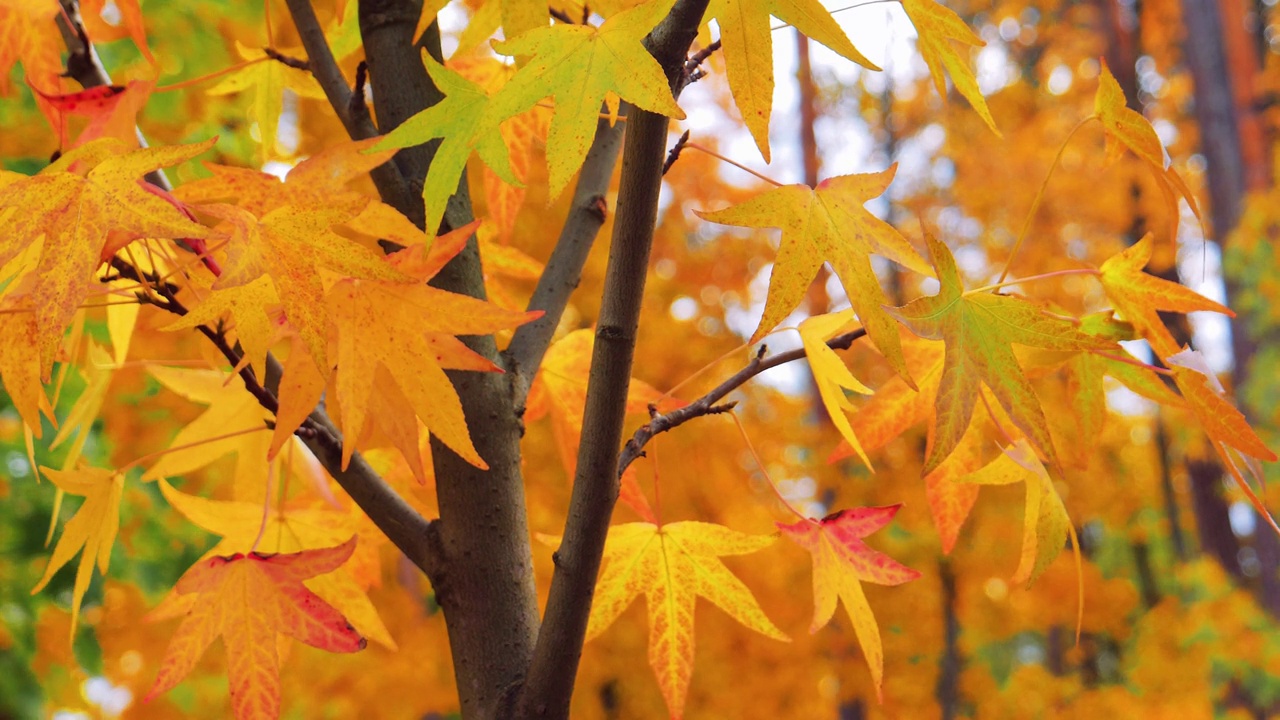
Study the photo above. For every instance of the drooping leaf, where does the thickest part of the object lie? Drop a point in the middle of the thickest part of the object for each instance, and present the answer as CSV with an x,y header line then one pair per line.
x,y
1045,523
1126,128
619,67
841,561
247,600
829,224
938,27
671,565
746,36
830,373
978,331
93,528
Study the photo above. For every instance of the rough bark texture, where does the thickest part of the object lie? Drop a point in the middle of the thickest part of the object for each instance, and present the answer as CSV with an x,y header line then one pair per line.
x,y
1223,66
484,582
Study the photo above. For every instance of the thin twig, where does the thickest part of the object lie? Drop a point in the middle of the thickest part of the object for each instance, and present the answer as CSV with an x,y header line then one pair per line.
x,y
674,154
320,61
707,404
700,57
292,62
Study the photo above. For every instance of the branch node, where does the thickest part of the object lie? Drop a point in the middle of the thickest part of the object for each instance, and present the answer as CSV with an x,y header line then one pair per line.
x,y
599,207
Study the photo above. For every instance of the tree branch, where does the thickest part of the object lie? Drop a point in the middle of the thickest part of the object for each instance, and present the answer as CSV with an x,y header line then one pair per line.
x,y
549,683
407,529
564,268
85,67
708,404
387,178
486,583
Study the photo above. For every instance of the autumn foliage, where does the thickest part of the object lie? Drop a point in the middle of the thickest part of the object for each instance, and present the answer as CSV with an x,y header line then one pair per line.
x,y
316,374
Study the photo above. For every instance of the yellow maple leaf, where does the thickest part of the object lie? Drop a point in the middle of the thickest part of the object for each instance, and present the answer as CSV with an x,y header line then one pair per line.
x,y
830,373
829,224
938,27
230,409
671,565
93,528
1045,523
747,40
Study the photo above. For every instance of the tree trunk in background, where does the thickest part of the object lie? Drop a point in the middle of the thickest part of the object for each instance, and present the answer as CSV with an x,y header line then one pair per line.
x,y
1222,57
1213,524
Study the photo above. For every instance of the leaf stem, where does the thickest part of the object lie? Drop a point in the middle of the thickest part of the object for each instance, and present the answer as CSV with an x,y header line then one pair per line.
x,y
1035,205
1032,278
187,446
763,471
735,163
183,84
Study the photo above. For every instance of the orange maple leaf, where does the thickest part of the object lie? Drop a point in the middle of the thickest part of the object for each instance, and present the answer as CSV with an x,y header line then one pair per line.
x,y
672,565
1228,430
978,330
840,561
399,374
1127,128
247,600
1138,296
829,224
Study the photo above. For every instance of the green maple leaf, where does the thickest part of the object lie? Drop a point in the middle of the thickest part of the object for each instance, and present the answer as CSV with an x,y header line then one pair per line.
x,y
582,67
457,120
978,331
